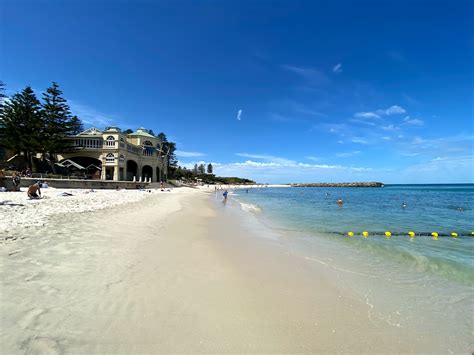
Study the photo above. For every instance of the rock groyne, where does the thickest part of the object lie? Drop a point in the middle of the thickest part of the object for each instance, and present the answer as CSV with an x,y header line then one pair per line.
x,y
340,184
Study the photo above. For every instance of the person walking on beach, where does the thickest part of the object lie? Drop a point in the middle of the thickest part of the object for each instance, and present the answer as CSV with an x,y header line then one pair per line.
x,y
34,191
225,196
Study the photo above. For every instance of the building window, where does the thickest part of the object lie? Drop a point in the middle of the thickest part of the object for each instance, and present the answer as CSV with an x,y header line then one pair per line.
x,y
110,141
110,158
121,158
148,143
147,151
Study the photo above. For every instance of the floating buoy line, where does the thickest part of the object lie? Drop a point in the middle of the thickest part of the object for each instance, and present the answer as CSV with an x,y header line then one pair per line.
x,y
409,234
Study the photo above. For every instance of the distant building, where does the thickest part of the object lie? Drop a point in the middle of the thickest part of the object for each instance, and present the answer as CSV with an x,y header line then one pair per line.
x,y
112,155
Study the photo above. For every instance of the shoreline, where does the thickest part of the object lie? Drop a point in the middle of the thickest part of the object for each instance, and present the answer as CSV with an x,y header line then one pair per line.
x,y
179,272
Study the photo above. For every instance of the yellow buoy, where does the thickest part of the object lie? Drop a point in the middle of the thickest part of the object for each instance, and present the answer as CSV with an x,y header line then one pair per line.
x,y
435,235
388,234
454,235
472,233
365,234
350,234
411,234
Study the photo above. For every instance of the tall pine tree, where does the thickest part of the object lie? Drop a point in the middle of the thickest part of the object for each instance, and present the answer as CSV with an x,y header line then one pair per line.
x,y
58,123
23,126
2,95
170,148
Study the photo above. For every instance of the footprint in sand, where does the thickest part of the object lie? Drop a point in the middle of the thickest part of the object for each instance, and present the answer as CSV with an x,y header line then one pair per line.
x,y
49,289
41,345
32,276
30,319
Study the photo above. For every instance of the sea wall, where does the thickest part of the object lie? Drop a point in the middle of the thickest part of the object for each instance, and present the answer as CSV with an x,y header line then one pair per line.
x,y
75,183
340,184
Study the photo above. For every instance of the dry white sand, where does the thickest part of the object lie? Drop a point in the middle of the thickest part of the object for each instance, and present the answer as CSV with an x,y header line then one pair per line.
x,y
17,210
173,273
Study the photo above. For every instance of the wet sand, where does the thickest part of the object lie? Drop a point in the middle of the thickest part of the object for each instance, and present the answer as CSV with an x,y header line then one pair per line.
x,y
176,273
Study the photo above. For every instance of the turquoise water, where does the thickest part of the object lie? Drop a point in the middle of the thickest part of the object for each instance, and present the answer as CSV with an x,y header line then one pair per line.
x,y
429,208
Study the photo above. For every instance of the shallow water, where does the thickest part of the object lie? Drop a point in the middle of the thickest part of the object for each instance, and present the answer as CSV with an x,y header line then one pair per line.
x,y
419,283
429,208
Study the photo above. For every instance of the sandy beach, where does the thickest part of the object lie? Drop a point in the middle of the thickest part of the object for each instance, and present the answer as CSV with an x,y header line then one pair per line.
x,y
171,273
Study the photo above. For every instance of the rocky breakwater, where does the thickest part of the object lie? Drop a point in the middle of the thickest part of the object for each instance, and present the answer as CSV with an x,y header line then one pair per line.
x,y
340,184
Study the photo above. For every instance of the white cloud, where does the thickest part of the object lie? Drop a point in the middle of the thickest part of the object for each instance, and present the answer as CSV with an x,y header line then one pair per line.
x,y
340,141
413,121
279,118
348,154
390,127
337,68
359,140
454,169
418,140
239,115
366,115
267,158
295,172
392,110
90,116
313,158
449,147
395,110
311,75
364,122
300,108
181,153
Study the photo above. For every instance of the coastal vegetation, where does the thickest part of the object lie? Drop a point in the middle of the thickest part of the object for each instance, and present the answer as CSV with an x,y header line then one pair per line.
x,y
30,126
194,175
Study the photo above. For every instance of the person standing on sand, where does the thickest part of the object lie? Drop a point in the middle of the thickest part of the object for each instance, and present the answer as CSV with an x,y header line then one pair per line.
x,y
34,191
16,182
225,196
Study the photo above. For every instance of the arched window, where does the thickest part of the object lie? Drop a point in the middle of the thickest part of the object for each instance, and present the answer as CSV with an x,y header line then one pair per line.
x,y
110,141
110,158
121,158
147,148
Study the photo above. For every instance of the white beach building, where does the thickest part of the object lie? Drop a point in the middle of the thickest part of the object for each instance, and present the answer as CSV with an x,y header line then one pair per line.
x,y
113,155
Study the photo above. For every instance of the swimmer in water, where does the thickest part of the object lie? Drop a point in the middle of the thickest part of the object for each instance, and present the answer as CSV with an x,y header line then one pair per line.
x,y
340,201
404,205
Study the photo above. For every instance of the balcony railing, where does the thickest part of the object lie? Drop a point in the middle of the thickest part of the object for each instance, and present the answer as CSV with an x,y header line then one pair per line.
x,y
88,143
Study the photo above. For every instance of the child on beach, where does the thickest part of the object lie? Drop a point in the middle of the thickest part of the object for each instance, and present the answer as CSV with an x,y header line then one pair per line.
x,y
34,191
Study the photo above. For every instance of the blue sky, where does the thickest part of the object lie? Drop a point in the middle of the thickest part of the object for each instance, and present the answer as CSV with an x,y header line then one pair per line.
x,y
278,91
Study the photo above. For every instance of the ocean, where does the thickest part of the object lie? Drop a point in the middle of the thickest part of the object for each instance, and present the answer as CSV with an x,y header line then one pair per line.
x,y
420,282
443,209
